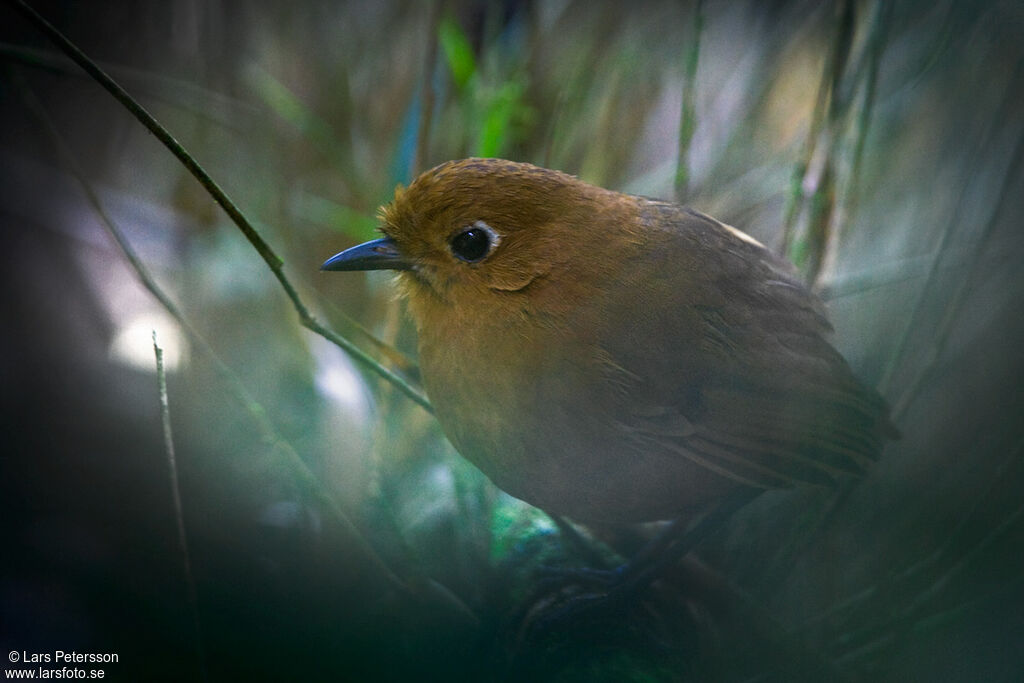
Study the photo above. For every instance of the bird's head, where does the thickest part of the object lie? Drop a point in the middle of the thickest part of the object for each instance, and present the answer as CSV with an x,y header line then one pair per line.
x,y
486,232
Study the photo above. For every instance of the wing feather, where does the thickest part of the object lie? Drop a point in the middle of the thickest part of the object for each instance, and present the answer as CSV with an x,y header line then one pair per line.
x,y
751,388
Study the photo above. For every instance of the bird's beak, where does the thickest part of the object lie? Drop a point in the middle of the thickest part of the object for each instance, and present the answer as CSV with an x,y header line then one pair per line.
x,y
379,254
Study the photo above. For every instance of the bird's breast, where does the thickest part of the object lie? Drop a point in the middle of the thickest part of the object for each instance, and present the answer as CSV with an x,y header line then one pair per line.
x,y
504,397
549,426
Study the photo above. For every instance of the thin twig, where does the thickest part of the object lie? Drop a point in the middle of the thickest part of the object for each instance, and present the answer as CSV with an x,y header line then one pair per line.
x,y
268,255
190,583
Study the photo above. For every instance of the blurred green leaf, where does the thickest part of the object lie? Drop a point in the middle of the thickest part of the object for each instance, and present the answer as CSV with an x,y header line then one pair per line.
x,y
503,110
799,253
457,51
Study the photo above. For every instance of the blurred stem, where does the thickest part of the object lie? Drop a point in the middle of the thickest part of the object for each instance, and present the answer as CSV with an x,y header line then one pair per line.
x,y
814,522
796,194
268,255
822,221
688,110
877,41
840,58
845,205
268,434
812,186
810,257
179,516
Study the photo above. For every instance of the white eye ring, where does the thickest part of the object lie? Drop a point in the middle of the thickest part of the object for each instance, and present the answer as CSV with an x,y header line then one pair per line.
x,y
474,242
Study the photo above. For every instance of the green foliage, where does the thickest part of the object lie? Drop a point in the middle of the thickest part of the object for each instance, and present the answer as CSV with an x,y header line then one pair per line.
x,y
503,116
514,522
457,51
491,101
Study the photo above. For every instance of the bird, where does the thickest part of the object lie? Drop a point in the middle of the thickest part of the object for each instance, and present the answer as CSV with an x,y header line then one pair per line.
x,y
615,358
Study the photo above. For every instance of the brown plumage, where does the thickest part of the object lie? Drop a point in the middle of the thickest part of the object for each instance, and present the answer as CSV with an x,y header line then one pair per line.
x,y
611,357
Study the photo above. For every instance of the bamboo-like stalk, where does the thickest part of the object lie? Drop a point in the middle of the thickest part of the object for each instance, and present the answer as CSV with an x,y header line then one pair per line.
x,y
812,185
879,32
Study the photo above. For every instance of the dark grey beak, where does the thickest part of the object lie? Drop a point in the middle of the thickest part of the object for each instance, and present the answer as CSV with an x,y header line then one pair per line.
x,y
379,254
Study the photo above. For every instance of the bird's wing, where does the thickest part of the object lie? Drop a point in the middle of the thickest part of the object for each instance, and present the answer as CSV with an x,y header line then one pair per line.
x,y
728,365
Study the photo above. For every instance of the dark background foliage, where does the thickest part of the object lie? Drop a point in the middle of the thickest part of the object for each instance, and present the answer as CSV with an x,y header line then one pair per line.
x,y
878,144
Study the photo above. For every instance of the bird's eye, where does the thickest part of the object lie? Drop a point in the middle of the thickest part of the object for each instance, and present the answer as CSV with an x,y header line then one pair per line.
x,y
474,243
